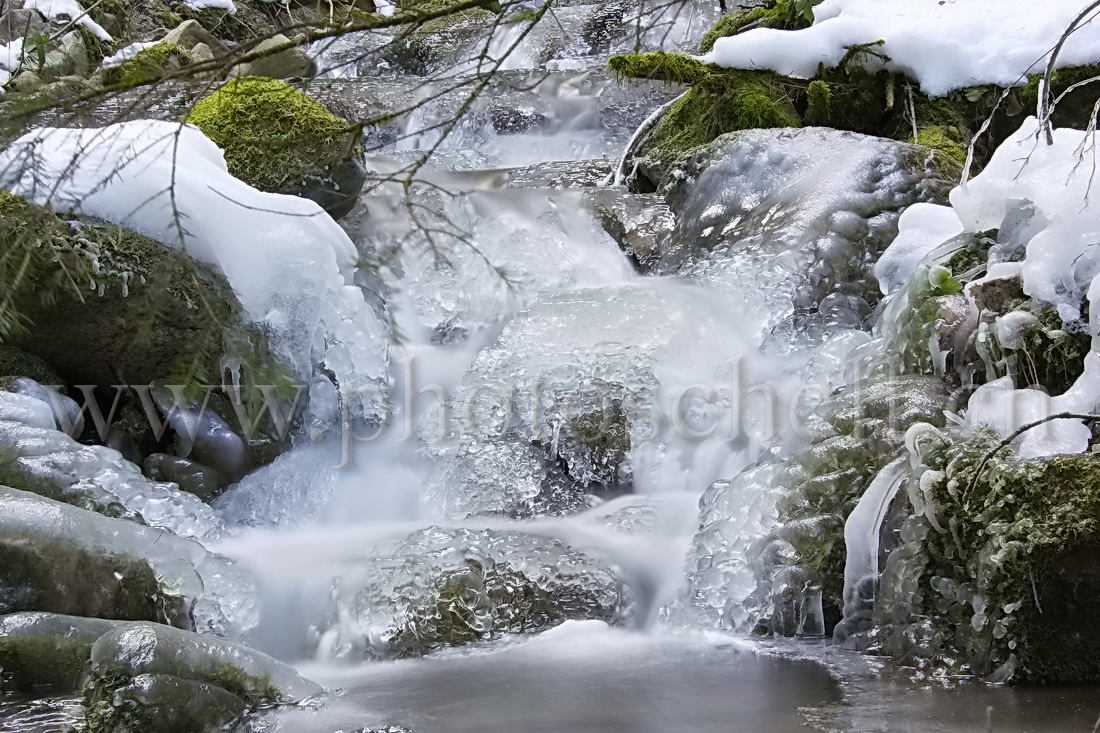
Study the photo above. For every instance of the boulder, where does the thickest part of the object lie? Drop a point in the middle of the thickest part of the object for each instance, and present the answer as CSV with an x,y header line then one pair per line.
x,y
190,33
70,58
282,60
438,588
47,652
152,677
278,139
151,310
58,558
15,24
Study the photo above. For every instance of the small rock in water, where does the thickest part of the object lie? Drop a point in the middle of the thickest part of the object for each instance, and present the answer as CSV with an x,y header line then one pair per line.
x,y
190,476
439,588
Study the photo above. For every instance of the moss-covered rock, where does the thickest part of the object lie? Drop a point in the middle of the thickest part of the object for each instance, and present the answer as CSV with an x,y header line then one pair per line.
x,y
438,588
151,677
719,101
159,702
46,652
57,558
995,574
100,302
148,64
279,139
14,362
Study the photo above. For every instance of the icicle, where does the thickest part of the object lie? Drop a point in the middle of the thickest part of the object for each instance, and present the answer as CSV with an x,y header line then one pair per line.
x,y
861,537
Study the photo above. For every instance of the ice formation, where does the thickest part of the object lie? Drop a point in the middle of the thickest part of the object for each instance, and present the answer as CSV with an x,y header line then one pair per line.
x,y
1045,194
222,593
943,45
289,263
28,426
800,214
440,587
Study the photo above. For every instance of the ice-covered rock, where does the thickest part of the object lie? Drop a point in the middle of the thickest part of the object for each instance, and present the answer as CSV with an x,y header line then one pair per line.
x,y
154,677
440,587
47,651
802,214
95,476
63,559
288,261
588,394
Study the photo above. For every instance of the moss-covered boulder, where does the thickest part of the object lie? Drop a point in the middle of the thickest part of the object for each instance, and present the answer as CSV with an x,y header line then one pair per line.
x,y
279,139
102,303
47,652
151,677
147,65
995,573
57,558
438,588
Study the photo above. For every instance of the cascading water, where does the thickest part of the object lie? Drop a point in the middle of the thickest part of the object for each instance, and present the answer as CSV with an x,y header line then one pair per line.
x,y
636,424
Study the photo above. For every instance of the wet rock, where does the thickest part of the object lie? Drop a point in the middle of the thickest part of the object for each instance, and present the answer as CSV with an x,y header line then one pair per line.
x,y
284,60
202,433
63,559
47,652
152,677
515,120
192,477
138,649
164,703
640,223
439,588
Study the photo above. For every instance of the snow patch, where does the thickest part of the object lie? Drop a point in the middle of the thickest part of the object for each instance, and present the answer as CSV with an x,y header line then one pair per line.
x,y
943,45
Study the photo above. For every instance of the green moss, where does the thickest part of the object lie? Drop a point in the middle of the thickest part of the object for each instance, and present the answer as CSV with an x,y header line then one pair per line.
x,y
94,48
83,582
1006,573
748,100
273,135
676,68
947,140
147,65
720,100
734,23
253,689
43,663
819,99
1075,110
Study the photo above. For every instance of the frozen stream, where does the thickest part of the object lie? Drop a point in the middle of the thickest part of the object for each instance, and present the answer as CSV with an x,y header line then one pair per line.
x,y
512,334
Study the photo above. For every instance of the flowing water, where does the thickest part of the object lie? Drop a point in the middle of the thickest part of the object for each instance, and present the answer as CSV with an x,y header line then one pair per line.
x,y
536,291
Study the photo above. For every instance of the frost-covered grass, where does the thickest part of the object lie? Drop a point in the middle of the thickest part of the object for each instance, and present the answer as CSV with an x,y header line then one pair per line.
x,y
943,45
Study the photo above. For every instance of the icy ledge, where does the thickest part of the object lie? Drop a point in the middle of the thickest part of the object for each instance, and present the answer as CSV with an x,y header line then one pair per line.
x,y
943,45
